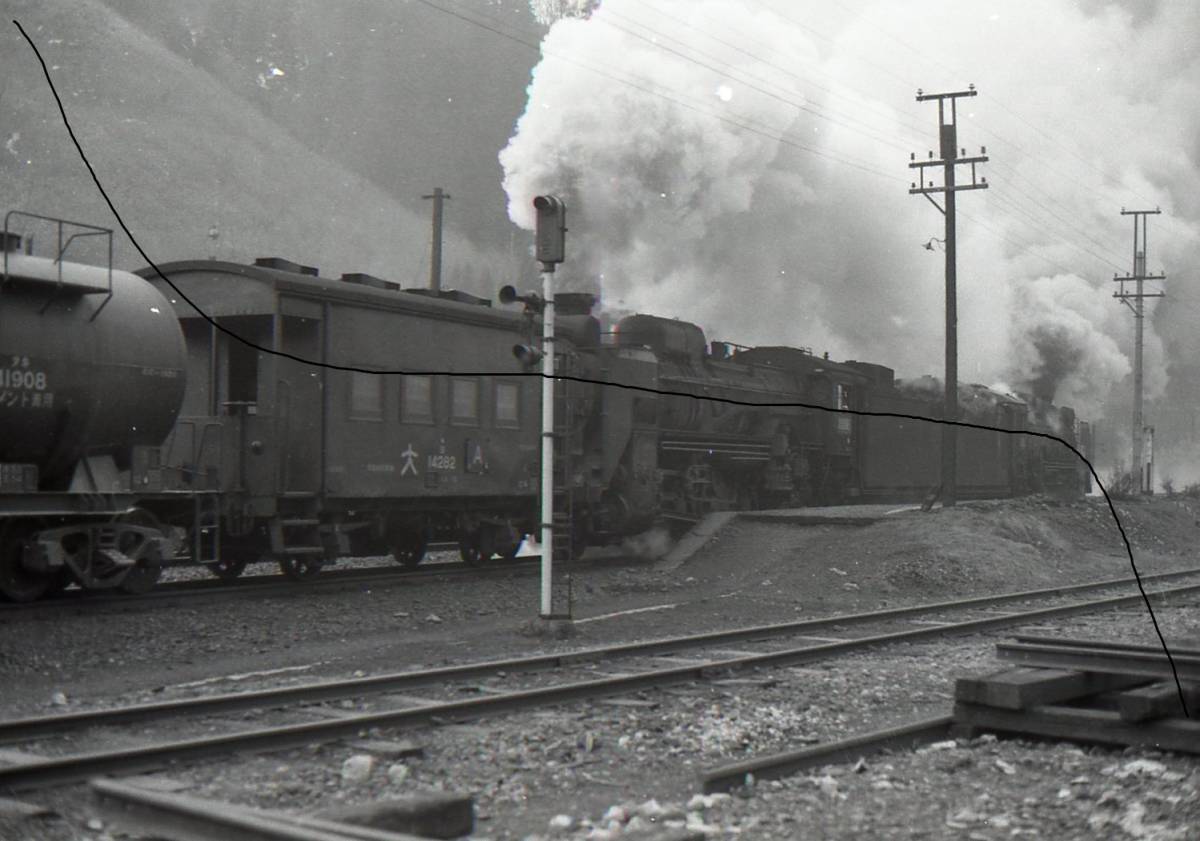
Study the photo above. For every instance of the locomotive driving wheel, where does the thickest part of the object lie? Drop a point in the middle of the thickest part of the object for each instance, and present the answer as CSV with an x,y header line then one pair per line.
x,y
408,547
17,583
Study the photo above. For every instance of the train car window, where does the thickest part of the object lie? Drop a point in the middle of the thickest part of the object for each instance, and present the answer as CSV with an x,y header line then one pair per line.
x,y
843,421
843,396
366,396
464,401
508,405
416,399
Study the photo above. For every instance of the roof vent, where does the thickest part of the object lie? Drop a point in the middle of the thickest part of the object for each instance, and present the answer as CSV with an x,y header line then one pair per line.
x,y
281,265
574,303
371,280
452,295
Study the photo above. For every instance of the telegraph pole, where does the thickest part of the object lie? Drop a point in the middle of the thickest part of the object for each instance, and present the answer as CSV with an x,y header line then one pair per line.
x,y
435,257
1138,277
951,158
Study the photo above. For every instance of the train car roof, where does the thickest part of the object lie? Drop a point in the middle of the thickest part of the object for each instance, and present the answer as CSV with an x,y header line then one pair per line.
x,y
74,277
260,297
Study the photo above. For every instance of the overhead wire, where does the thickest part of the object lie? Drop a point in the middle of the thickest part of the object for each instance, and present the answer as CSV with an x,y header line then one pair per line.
x,y
743,122
654,36
1036,159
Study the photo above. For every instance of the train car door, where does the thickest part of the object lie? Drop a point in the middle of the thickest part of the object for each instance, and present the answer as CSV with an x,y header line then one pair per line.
x,y
299,397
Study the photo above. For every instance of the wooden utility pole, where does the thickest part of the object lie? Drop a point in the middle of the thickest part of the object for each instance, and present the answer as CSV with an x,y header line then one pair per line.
x,y
1139,276
951,157
435,257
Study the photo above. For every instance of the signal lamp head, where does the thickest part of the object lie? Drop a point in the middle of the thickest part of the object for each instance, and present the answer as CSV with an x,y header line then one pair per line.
x,y
526,355
531,300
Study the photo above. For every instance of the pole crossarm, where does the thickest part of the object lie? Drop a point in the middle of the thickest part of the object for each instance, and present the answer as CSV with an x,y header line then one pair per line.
x,y
974,159
957,188
924,97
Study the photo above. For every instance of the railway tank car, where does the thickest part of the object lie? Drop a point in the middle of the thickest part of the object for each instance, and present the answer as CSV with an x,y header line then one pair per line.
x,y
91,380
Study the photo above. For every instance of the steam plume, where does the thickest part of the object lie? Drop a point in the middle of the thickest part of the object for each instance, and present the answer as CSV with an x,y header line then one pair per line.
x,y
742,165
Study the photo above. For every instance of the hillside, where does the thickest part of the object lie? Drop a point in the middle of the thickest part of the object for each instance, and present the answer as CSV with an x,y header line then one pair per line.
x,y
180,151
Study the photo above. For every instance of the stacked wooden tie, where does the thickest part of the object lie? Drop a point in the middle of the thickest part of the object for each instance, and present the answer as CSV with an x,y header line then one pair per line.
x,y
1087,691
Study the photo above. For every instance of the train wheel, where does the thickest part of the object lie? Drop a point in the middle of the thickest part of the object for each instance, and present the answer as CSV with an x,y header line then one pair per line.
x,y
142,578
59,581
16,582
145,574
508,542
408,548
300,568
227,570
478,546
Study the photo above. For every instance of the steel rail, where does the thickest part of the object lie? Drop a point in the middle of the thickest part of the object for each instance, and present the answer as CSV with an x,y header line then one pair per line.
x,y
785,764
272,584
1148,664
68,769
257,585
182,816
26,728
1108,645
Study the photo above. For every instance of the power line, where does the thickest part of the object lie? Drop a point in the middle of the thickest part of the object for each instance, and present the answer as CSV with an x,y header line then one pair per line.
x,y
673,96
1017,174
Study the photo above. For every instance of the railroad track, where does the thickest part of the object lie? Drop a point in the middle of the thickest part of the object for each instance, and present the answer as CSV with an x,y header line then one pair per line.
x,y
572,676
273,584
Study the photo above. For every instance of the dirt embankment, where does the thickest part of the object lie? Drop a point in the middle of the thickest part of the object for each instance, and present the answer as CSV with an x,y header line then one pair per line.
x,y
976,548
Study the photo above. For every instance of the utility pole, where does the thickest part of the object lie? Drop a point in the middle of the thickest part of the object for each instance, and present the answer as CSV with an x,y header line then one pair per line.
x,y
435,257
951,157
1139,277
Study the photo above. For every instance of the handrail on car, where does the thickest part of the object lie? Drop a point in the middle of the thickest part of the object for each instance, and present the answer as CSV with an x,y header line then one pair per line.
x,y
89,231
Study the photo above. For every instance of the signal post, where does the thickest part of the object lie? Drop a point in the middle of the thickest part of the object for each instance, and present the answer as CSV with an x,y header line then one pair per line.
x,y
549,250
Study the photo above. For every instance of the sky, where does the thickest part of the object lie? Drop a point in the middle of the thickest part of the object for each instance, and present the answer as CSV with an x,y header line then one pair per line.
x,y
743,164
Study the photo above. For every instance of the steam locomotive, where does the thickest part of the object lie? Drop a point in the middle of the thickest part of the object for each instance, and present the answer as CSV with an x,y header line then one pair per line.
x,y
141,427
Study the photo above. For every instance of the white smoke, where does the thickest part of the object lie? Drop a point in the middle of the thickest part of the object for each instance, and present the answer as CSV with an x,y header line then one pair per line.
x,y
547,12
701,184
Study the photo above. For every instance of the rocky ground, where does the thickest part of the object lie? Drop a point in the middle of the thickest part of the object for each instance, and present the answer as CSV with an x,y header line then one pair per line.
x,y
603,771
